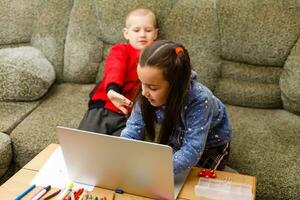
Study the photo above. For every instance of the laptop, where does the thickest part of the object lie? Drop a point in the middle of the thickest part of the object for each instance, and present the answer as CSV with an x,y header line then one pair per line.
x,y
136,167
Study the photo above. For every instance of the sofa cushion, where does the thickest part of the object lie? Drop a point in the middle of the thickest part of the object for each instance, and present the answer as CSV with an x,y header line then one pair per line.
x,y
249,85
111,15
83,48
194,23
25,74
12,113
65,106
259,32
265,144
290,81
5,153
17,19
50,31
256,39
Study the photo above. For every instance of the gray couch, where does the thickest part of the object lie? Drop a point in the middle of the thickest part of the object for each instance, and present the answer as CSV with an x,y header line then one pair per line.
x,y
247,52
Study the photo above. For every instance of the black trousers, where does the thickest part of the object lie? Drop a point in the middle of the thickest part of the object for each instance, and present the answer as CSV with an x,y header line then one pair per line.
x,y
102,120
215,158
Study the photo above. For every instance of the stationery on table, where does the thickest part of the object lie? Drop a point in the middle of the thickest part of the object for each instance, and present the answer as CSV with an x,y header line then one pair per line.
x,y
82,195
106,162
25,192
52,195
78,193
40,193
65,192
223,189
54,173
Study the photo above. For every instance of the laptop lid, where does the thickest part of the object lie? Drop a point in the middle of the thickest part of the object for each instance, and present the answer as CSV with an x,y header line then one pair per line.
x,y
137,167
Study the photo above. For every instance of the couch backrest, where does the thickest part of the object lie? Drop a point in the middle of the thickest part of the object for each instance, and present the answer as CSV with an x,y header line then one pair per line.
x,y
258,32
246,51
38,23
256,39
93,28
237,47
17,19
95,25
50,32
194,24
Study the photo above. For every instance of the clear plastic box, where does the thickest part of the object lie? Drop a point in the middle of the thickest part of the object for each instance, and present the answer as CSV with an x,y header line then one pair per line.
x,y
223,189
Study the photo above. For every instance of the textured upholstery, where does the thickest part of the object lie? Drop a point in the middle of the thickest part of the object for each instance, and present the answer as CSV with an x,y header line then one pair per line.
x,y
246,51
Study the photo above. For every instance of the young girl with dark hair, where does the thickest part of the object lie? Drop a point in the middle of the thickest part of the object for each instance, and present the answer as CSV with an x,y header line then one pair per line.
x,y
172,108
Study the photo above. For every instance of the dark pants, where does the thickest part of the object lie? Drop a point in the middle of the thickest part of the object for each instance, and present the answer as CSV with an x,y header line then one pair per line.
x,y
215,158
102,120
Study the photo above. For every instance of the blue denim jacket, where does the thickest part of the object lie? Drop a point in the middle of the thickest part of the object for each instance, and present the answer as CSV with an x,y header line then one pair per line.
x,y
204,124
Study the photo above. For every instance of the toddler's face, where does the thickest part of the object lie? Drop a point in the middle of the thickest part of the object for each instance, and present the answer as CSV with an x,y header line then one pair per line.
x,y
154,86
140,31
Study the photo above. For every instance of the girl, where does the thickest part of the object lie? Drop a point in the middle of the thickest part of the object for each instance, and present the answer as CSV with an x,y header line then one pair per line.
x,y
172,108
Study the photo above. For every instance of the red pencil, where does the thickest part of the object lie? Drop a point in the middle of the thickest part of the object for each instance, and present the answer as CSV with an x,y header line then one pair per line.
x,y
78,193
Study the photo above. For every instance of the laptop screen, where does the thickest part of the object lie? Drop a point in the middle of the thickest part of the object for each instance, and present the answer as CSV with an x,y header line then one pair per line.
x,y
137,167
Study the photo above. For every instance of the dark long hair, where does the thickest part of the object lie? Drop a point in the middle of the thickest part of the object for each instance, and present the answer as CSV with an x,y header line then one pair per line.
x,y
173,59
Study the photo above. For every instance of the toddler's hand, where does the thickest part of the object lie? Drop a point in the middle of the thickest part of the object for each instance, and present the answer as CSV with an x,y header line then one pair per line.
x,y
121,102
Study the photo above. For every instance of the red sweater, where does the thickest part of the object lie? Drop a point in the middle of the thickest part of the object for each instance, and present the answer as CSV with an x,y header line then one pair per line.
x,y
119,69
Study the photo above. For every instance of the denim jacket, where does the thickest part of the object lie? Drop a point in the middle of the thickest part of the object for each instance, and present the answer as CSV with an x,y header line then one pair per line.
x,y
204,124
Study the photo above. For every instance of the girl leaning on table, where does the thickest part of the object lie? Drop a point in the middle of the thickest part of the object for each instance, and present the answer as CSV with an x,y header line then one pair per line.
x,y
172,108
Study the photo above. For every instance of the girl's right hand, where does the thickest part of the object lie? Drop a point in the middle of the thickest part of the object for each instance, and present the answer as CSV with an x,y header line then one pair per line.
x,y
120,101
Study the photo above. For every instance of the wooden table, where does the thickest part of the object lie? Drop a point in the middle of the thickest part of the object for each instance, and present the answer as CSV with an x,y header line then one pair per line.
x,y
21,180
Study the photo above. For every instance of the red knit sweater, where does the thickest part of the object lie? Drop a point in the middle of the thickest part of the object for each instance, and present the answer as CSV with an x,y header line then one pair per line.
x,y
120,69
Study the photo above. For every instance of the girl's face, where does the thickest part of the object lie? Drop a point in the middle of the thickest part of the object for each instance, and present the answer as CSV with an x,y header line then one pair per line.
x,y
154,86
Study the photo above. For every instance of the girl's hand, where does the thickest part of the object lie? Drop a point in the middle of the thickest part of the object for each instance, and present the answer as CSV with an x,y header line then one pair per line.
x,y
121,102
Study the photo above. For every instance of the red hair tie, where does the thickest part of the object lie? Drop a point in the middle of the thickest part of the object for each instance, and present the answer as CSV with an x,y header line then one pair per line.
x,y
178,50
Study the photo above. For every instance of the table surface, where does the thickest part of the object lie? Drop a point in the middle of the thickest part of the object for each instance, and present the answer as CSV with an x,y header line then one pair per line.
x,y
21,180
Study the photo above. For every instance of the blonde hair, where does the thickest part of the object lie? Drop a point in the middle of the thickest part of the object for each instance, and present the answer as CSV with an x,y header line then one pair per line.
x,y
141,12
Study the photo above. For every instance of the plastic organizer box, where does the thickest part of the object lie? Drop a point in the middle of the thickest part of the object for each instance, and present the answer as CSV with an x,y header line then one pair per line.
x,y
223,189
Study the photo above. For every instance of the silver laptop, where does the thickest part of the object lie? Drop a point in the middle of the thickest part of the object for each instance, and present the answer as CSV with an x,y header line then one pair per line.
x,y
136,167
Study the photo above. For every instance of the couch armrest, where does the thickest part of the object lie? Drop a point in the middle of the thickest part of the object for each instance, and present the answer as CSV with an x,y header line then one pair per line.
x,y
5,153
290,81
25,74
